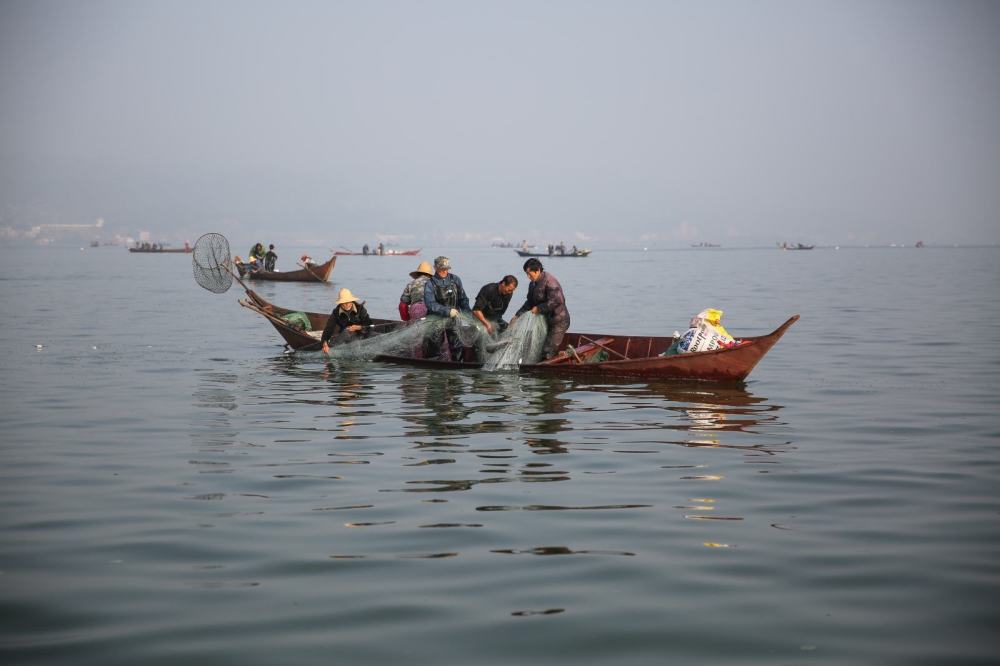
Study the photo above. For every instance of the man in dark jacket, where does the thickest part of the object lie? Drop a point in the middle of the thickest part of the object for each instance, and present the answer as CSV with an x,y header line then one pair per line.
x,y
545,297
270,258
492,302
444,296
348,321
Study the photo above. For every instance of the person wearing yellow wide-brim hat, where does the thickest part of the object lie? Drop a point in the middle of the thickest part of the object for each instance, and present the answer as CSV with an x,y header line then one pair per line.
x,y
411,303
348,321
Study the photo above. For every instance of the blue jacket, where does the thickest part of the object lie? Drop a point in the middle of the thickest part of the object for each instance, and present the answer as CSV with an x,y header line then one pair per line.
x,y
443,294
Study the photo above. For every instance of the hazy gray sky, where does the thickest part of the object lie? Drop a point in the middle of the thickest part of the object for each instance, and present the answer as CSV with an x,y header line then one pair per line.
x,y
614,123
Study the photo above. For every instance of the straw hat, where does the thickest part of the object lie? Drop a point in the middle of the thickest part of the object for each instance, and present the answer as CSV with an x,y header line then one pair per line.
x,y
423,269
346,296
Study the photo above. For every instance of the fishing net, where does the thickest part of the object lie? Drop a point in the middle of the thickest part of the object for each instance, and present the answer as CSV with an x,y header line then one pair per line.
x,y
425,338
521,343
408,341
212,263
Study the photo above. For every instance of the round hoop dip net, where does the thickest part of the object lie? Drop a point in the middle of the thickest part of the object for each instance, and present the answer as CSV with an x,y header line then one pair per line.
x,y
212,263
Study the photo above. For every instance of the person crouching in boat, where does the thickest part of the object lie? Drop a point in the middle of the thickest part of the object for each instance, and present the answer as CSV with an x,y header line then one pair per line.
x,y
492,302
411,302
348,321
257,252
545,297
444,296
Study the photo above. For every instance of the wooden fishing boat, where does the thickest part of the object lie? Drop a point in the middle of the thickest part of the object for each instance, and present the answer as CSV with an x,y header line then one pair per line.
x,y
635,356
311,273
387,253
300,339
578,253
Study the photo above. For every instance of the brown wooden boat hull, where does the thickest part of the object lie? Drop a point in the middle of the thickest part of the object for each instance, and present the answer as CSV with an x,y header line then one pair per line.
x,y
644,362
317,273
294,338
641,354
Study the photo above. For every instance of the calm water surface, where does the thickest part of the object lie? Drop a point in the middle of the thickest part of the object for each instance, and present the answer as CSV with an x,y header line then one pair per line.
x,y
175,489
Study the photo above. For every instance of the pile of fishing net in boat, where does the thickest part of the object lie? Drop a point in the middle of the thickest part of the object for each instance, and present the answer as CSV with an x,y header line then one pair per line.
x,y
521,343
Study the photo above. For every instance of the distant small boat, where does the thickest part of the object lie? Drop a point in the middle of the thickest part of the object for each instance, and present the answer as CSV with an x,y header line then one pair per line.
x,y
705,245
579,253
387,253
797,246
158,248
309,273
919,244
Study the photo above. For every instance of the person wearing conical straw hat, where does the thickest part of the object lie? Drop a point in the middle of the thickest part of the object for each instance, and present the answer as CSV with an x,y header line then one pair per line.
x,y
411,303
348,321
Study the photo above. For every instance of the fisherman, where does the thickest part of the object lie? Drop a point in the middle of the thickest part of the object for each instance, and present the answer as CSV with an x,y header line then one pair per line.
x,y
381,249
445,296
271,258
545,297
307,261
256,252
492,302
348,321
411,303
366,250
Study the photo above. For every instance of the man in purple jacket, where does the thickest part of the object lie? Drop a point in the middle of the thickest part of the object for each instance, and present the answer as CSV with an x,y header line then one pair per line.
x,y
545,297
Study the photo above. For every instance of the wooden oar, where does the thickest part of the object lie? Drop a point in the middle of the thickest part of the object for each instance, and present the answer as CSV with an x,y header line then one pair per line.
x,y
607,349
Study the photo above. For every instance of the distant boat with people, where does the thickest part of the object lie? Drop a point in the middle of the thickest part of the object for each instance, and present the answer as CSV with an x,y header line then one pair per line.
x,y
158,248
705,245
554,251
378,252
307,272
796,246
